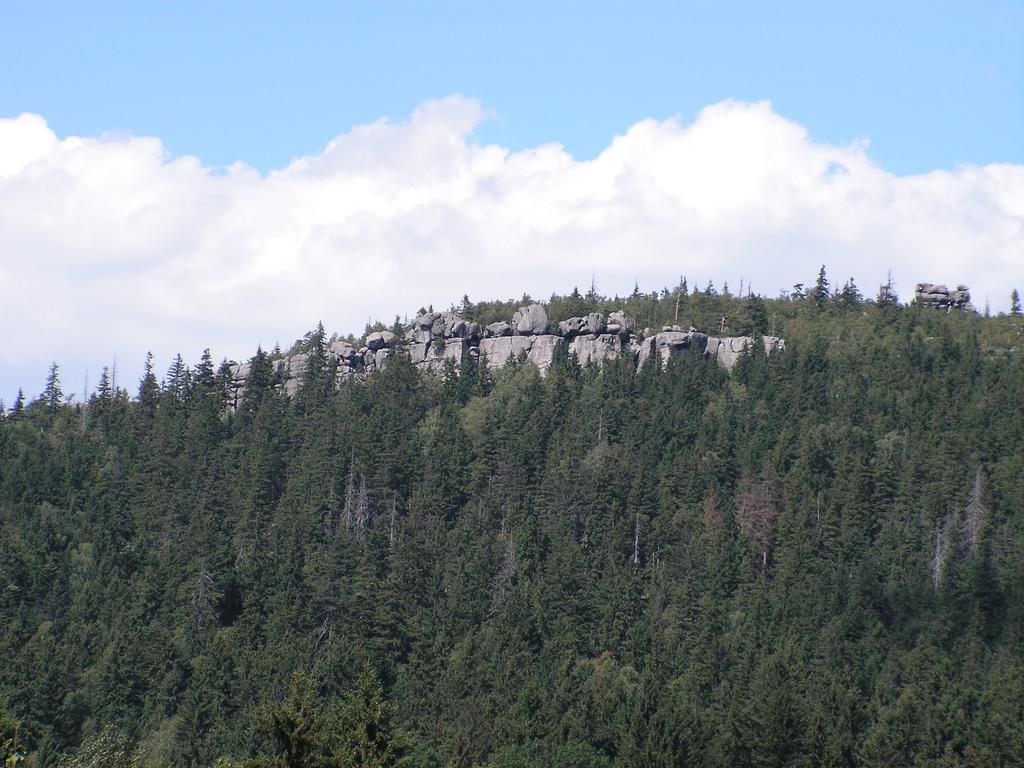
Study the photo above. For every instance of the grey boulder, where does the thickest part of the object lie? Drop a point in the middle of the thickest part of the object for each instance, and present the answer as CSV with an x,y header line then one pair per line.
x,y
530,321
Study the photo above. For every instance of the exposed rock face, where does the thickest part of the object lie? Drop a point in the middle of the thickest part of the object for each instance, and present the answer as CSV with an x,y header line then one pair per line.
x,y
940,297
572,327
236,389
644,348
422,329
672,341
293,372
591,348
341,350
498,349
434,338
530,321
619,323
595,323
446,325
727,350
435,355
379,340
675,343
544,350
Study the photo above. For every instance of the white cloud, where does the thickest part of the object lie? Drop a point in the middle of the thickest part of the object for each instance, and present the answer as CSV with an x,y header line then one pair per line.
x,y
110,246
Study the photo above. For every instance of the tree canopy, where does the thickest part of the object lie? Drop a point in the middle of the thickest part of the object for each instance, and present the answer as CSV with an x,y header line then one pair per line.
x,y
816,559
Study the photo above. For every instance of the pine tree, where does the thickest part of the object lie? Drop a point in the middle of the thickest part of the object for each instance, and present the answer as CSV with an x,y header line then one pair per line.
x,y
104,393
1015,303
53,395
755,316
369,738
295,726
149,388
176,383
850,297
887,293
259,383
820,294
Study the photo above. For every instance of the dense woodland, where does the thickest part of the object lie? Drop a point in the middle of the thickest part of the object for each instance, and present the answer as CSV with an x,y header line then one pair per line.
x,y
814,560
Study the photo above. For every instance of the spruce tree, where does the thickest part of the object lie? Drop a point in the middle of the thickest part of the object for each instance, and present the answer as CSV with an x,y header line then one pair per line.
x,y
820,293
149,388
53,395
887,293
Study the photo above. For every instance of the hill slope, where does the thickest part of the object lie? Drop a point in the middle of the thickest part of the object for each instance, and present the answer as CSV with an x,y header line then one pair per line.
x,y
814,559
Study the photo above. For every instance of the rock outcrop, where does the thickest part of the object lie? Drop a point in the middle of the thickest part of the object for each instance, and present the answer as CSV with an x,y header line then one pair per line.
x,y
596,348
530,321
498,349
498,329
940,297
434,339
727,350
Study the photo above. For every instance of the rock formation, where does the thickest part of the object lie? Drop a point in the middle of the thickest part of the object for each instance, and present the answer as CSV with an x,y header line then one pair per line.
x,y
940,297
727,350
435,338
530,321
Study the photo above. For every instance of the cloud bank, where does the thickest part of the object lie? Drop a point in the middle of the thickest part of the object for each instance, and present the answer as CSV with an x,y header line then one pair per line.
x,y
110,246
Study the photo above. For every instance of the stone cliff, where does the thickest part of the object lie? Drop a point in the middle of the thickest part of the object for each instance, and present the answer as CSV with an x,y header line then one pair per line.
x,y
940,297
434,338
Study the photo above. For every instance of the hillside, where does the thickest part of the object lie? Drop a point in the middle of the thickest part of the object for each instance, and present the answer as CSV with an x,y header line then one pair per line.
x,y
813,557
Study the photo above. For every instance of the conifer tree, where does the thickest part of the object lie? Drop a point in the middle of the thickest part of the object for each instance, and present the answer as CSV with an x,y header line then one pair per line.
x,y
19,403
887,293
53,395
149,388
368,736
103,391
850,297
820,293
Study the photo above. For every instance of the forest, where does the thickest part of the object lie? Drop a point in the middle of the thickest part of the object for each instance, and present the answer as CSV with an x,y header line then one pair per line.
x,y
816,559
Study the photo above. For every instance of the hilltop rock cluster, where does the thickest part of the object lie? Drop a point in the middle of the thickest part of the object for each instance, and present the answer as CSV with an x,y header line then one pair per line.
x,y
940,297
434,338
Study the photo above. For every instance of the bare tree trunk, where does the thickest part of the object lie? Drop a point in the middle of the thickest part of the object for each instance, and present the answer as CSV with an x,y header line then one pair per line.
x,y
363,505
393,520
636,540
974,516
348,512
202,598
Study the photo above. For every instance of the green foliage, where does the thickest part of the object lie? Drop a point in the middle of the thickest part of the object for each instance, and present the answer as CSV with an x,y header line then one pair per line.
x,y
367,737
52,393
12,743
295,727
111,748
817,559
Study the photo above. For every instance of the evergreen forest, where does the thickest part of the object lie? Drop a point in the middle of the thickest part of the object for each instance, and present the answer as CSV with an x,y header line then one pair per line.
x,y
815,559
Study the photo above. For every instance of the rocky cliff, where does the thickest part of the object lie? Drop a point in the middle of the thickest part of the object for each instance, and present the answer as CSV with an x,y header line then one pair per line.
x,y
434,338
940,297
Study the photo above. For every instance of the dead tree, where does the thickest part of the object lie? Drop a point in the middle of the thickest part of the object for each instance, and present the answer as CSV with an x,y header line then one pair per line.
x,y
757,513
636,542
393,520
202,598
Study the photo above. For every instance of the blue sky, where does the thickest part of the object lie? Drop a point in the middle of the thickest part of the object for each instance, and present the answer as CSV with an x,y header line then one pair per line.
x,y
930,84
395,155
